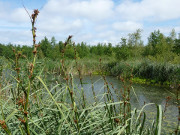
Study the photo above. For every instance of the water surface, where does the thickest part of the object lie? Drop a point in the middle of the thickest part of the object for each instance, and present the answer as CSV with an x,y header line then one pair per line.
x,y
145,94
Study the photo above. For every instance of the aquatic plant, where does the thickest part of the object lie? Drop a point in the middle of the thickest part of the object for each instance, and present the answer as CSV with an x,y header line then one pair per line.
x,y
158,72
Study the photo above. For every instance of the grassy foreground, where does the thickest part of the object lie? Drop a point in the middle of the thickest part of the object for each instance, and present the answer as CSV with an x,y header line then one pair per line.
x,y
56,108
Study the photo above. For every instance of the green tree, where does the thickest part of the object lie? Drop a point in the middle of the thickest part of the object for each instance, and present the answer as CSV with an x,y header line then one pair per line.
x,y
83,50
61,46
1,49
156,41
108,50
135,44
100,49
69,51
46,47
27,51
155,38
176,47
122,51
135,38
53,42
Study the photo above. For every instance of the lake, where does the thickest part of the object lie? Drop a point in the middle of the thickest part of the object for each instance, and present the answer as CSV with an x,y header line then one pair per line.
x,y
145,94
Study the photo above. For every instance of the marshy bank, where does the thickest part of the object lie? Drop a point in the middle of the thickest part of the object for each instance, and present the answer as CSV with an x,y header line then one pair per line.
x,y
144,71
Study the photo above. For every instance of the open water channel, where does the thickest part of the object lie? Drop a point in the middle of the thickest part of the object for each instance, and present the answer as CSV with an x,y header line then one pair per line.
x,y
145,94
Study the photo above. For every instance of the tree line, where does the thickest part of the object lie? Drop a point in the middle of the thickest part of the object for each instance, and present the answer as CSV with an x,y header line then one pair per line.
x,y
159,48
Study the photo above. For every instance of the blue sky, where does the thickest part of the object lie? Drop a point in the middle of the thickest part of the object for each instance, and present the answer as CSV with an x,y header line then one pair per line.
x,y
91,21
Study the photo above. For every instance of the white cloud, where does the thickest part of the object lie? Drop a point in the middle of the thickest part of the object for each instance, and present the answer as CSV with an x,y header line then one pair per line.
x,y
155,10
95,10
90,21
110,36
2,8
19,16
57,25
13,15
163,29
101,27
106,34
16,36
85,36
127,26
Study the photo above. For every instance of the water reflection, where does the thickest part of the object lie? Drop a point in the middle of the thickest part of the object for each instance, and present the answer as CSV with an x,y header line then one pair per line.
x,y
145,95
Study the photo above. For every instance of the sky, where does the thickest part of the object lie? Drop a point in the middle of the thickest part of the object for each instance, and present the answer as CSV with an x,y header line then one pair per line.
x,y
90,21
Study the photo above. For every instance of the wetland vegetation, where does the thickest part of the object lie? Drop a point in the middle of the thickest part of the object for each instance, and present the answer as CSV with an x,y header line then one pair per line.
x,y
43,89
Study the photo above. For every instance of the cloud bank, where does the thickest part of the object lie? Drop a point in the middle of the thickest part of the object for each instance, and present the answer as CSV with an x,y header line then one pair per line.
x,y
90,21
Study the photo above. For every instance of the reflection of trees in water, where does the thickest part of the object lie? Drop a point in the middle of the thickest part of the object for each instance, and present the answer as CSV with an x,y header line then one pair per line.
x,y
147,94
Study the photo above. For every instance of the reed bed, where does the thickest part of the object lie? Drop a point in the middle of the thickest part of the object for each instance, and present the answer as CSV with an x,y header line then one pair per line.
x,y
163,73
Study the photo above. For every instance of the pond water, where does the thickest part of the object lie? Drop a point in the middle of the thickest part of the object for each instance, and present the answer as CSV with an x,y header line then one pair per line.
x,y
145,94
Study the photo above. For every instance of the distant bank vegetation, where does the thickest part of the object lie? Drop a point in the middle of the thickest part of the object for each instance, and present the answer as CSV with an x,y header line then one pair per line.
x,y
159,48
158,61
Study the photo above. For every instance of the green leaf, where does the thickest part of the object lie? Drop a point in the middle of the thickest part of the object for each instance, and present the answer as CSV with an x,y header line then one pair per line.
x,y
158,120
11,115
143,123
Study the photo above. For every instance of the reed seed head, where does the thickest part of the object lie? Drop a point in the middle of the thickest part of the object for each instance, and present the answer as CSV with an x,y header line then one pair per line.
x,y
22,121
4,126
71,93
168,98
75,121
70,36
14,50
2,122
37,45
34,52
116,120
26,113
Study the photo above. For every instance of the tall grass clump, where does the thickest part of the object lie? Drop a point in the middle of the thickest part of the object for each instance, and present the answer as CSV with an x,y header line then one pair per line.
x,y
33,105
160,72
163,73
